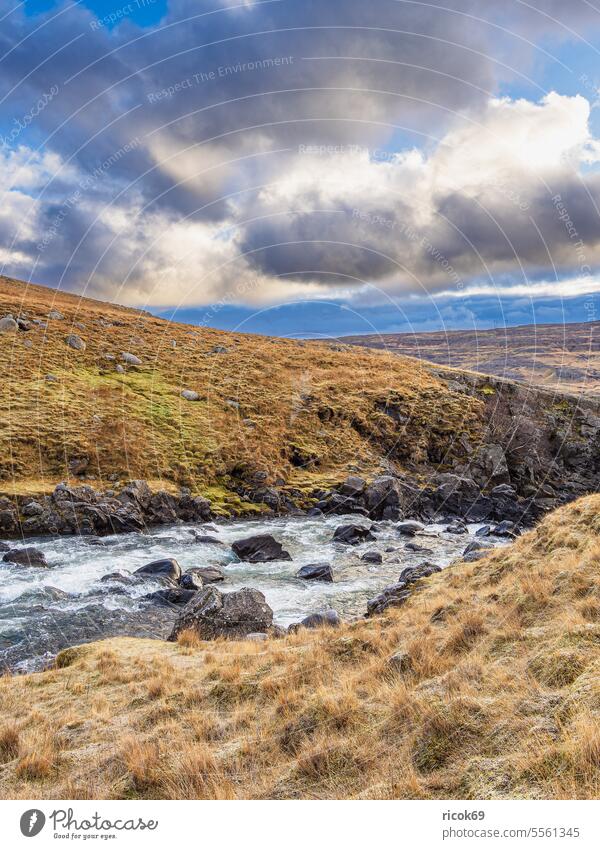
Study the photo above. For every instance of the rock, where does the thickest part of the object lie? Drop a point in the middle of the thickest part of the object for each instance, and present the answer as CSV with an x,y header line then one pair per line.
x,y
505,529
26,557
167,568
119,369
258,637
209,574
352,534
51,378
23,325
32,508
483,531
218,349
328,619
316,572
401,662
410,528
173,595
74,341
477,546
372,557
56,315
259,549
207,540
191,581
234,615
131,359
8,324
189,395
456,528
396,594
413,546
385,497
121,576
353,485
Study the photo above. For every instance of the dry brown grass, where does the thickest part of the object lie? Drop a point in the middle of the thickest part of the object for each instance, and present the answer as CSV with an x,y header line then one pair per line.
x,y
302,412
500,697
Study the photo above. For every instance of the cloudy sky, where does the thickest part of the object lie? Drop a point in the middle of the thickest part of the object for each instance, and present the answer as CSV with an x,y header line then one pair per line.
x,y
300,167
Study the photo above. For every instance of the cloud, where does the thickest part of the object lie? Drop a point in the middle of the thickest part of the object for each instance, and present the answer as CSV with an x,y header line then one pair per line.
x,y
261,152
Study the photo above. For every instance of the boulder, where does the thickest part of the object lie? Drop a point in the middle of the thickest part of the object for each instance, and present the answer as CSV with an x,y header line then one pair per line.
x,y
353,485
259,549
190,395
173,596
352,534
206,539
476,545
396,594
75,341
130,359
316,572
328,619
457,528
386,497
167,568
372,557
505,529
56,315
191,581
8,324
413,546
121,576
410,528
234,615
483,531
208,574
26,557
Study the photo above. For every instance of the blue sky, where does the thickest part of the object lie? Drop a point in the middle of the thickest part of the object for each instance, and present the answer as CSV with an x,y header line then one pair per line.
x,y
306,168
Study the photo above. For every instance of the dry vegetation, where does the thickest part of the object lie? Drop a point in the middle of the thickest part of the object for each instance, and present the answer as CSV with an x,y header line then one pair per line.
x,y
301,412
497,695
563,357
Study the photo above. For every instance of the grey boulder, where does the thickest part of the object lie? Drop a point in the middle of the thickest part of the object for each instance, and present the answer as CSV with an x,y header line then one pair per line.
x,y
167,568
259,549
316,572
26,557
213,614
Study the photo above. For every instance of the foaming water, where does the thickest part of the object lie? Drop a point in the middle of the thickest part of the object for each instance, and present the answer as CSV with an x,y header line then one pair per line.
x,y
45,610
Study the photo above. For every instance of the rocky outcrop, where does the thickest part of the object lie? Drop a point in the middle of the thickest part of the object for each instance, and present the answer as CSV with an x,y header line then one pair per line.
x,y
83,510
211,614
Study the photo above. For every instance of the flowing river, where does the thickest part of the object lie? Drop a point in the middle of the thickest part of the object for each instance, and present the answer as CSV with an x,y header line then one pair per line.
x,y
45,610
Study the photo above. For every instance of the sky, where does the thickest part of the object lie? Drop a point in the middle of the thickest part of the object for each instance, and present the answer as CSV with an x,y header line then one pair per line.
x,y
306,168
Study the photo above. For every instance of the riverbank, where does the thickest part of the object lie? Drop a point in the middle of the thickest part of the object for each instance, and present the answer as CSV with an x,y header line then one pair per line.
x,y
483,685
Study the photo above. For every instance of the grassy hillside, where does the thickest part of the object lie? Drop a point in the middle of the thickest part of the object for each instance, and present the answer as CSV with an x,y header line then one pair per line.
x,y
297,411
498,695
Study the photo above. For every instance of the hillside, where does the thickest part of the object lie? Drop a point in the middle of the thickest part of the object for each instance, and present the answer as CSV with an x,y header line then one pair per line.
x,y
273,421
564,357
286,411
495,693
